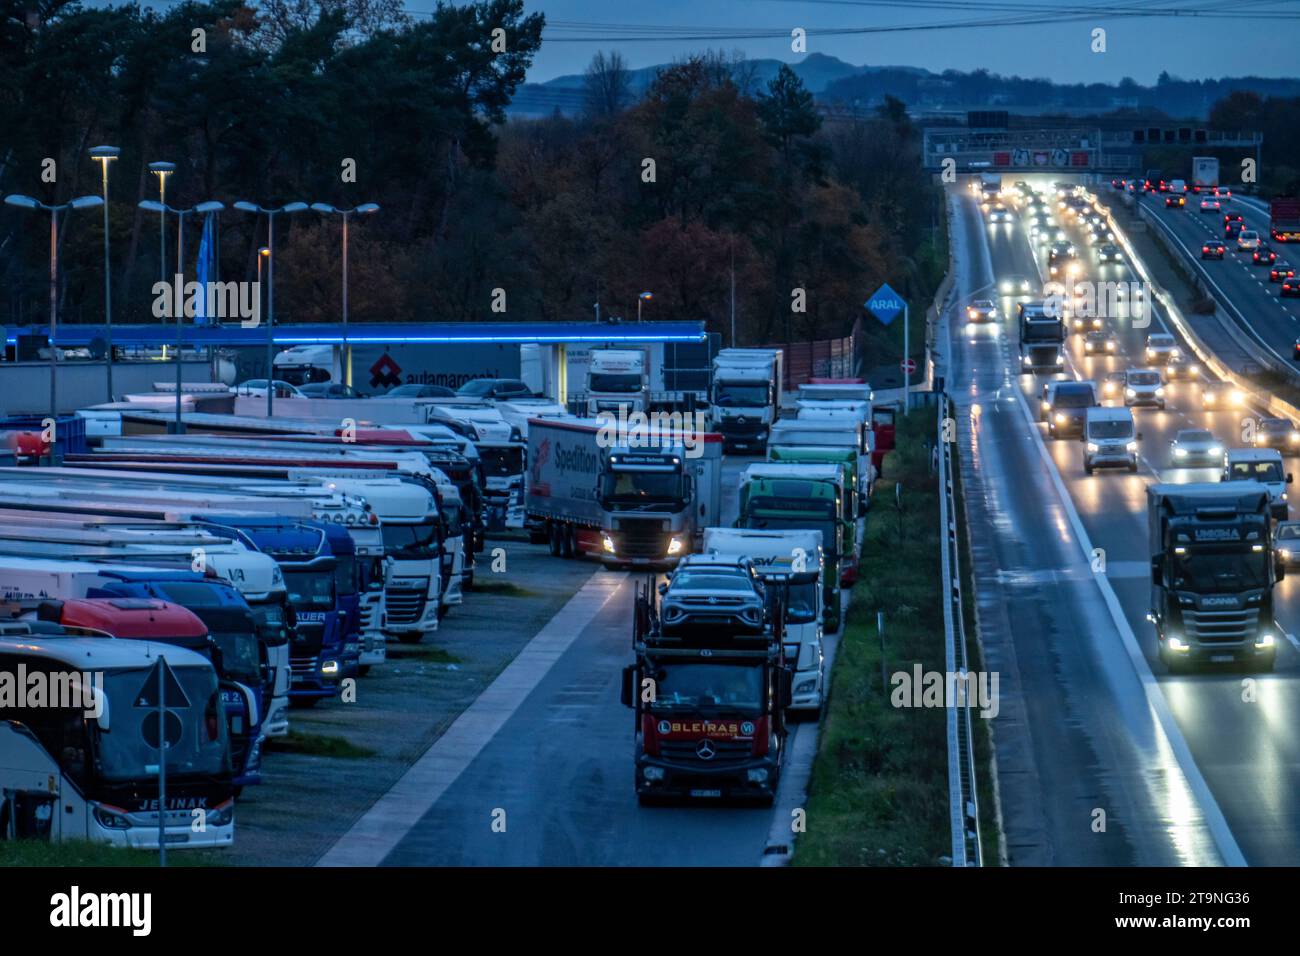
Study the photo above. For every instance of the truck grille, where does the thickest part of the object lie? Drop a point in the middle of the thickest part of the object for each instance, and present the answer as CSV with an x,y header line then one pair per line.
x,y
306,645
746,429
404,606
724,750
1221,627
641,539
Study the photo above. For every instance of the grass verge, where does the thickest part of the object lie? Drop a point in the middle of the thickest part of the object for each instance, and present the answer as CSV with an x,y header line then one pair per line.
x,y
83,853
878,795
419,652
503,588
315,745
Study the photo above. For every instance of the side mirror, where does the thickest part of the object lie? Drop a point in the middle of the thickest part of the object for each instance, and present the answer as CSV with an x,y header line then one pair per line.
x,y
1279,569
1158,569
662,589
629,685
1137,437
1288,478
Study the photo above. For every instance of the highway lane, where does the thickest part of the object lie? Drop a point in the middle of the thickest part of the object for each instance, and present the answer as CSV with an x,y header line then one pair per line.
x,y
1075,734
553,785
1275,319
1249,760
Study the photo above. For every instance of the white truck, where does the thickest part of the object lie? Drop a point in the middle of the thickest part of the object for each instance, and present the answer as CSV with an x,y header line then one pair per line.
x,y
635,379
1205,173
746,397
779,556
500,447
634,504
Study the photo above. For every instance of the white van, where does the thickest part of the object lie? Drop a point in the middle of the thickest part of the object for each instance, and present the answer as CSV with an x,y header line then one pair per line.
x,y
1263,465
1109,439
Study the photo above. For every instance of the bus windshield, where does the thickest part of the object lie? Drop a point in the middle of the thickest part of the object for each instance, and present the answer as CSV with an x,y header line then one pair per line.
x,y
310,588
714,688
195,732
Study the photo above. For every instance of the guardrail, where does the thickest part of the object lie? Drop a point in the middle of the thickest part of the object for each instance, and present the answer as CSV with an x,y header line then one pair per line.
x,y
963,799
1211,361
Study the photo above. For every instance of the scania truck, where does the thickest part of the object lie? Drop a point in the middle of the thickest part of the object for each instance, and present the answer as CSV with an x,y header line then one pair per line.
x,y
633,500
1042,336
745,399
1212,573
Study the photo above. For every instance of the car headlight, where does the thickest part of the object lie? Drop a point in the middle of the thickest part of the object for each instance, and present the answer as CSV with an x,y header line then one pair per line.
x,y
1180,452
1160,390
1131,446
1060,360
1131,393
607,544
675,545
1060,418
1175,353
1235,397
1193,370
1214,450
1091,446
1151,351
1284,553
1294,438
1110,346
1005,287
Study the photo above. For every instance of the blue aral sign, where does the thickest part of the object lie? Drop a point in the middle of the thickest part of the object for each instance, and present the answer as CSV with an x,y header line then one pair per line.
x,y
885,304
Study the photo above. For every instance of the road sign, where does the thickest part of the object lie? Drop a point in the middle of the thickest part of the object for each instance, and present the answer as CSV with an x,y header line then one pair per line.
x,y
149,691
908,365
885,304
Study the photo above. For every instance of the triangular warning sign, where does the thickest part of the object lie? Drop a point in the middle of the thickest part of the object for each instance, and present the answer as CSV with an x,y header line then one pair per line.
x,y
174,696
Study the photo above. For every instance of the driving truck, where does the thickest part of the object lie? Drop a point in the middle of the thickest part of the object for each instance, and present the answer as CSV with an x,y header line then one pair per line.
x,y
1284,219
709,706
1042,337
1205,173
632,500
776,554
1212,573
802,497
65,775
745,398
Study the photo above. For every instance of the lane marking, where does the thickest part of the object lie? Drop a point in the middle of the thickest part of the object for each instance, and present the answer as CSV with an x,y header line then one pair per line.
x,y
383,827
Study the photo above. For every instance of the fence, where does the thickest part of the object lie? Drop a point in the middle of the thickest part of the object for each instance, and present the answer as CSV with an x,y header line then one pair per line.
x,y
824,358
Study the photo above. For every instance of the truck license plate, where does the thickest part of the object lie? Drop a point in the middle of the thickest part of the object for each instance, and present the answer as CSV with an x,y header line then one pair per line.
x,y
1221,658
706,793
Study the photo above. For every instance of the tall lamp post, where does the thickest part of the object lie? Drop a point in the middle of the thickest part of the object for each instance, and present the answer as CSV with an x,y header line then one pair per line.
x,y
162,171
364,209
643,297
162,208
245,206
27,202
105,155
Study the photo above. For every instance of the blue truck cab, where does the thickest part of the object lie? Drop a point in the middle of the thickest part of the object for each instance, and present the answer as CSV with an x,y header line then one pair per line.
x,y
243,668
323,651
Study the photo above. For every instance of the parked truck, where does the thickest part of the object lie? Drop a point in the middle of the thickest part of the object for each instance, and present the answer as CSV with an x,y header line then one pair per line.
x,y
1212,573
1042,335
746,397
1284,219
631,503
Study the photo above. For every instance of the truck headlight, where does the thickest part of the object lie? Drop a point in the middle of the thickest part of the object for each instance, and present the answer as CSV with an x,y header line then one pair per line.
x,y
1092,447
806,687
1060,360
756,775
1025,360
1060,419
607,543
1264,640
1110,346
1047,406
674,545
1176,644
653,774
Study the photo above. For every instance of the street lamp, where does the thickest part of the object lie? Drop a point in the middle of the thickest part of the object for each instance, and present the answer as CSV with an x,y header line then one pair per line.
x,y
162,209
363,209
162,171
643,297
27,202
105,155
245,206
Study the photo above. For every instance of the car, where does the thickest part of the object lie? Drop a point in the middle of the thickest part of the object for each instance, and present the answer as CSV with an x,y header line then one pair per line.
x,y
1247,239
1196,447
1280,271
1112,386
1216,395
1143,387
1232,230
705,593
420,391
329,390
1277,433
1162,348
982,310
1231,217
494,388
1110,440
1109,252
1286,543
1290,286
256,388
1213,249
1181,369
1101,342
1069,404
1062,247
1263,255
1210,205
1015,285
999,213
1175,201
1295,351
1223,193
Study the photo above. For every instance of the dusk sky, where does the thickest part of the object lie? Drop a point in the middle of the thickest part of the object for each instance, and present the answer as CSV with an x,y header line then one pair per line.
x,y
1187,46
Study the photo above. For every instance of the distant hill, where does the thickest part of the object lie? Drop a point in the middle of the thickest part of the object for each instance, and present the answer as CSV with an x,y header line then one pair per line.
x,y
834,81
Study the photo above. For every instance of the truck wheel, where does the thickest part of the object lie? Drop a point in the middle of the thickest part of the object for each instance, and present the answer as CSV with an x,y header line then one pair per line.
x,y
569,542
553,540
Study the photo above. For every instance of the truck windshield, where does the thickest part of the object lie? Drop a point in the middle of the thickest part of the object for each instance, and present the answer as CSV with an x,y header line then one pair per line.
x,y
346,574
311,589
195,732
410,540
712,688
776,521
801,605
501,461
1207,570
1265,471
615,382
737,395
451,514
641,487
